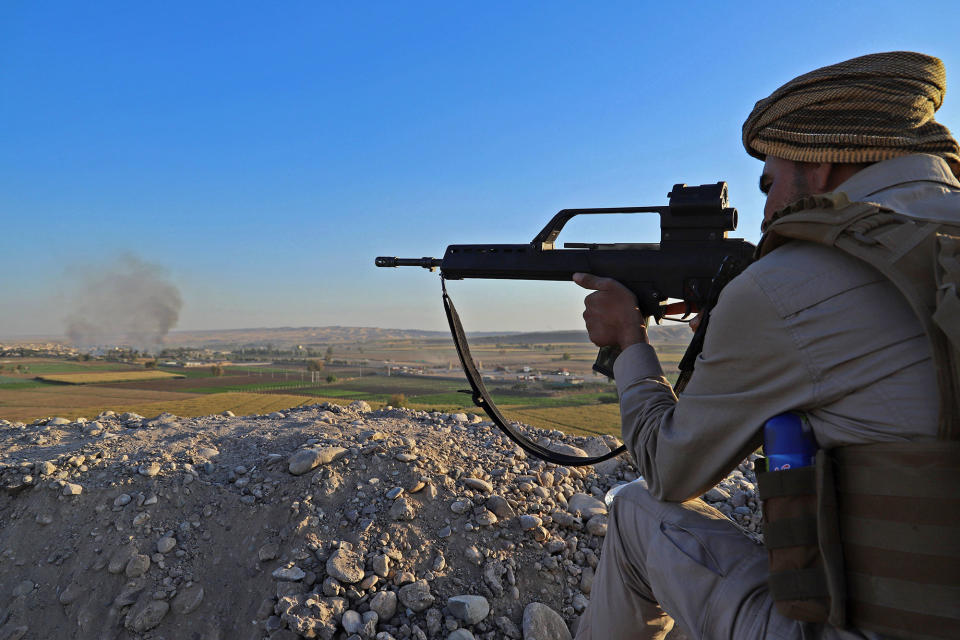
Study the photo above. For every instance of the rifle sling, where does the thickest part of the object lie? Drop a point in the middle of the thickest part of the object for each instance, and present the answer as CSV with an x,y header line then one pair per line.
x,y
482,398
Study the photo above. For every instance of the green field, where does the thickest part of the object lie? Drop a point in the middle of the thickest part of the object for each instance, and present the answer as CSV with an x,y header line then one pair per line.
x,y
44,367
99,377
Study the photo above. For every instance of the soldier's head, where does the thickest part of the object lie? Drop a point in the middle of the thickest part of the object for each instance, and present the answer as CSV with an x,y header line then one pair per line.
x,y
820,128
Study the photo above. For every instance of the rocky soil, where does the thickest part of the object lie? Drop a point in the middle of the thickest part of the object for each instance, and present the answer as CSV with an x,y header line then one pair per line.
x,y
318,522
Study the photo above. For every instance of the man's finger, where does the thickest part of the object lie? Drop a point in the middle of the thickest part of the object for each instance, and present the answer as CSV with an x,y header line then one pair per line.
x,y
596,283
680,308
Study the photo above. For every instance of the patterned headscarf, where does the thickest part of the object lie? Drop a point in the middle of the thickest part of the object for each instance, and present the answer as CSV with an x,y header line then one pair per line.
x,y
863,110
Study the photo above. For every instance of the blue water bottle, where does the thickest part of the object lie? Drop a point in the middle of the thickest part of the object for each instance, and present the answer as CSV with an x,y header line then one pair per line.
x,y
788,442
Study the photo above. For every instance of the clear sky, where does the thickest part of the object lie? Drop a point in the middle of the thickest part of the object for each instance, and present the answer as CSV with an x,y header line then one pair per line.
x,y
264,153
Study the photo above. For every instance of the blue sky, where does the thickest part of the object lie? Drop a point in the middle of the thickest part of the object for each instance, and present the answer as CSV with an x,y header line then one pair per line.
x,y
263,155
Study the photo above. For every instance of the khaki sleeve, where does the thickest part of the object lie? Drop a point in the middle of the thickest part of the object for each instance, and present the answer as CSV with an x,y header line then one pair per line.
x,y
750,370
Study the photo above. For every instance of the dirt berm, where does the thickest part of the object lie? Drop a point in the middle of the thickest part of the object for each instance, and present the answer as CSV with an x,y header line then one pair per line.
x,y
317,522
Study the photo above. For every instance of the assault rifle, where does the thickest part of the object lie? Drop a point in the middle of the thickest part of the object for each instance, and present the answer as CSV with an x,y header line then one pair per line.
x,y
692,262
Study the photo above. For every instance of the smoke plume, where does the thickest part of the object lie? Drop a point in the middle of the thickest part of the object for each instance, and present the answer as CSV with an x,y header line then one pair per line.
x,y
128,303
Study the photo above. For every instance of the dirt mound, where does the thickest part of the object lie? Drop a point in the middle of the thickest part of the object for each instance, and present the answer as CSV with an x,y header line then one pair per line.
x,y
318,522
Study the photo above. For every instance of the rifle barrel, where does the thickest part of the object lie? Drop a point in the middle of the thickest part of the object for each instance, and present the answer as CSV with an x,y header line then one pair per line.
x,y
425,262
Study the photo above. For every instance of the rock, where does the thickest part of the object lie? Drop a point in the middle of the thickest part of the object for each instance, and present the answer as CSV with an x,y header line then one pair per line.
x,y
492,571
269,551
484,517
469,608
478,485
149,470
597,447
306,459
459,418
587,506
473,555
461,634
166,544
597,525
290,574
402,509
46,468
188,599
716,494
137,565
346,566
540,622
385,604
507,628
208,452
528,522
359,405
146,617
369,628
122,500
56,422
579,602
416,596
352,621
381,565
500,507
70,489
569,449
586,579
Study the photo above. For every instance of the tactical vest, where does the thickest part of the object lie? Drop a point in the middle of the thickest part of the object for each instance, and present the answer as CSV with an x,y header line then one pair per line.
x,y
869,537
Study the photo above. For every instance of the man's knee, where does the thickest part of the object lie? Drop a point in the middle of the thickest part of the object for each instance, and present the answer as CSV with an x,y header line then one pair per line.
x,y
637,496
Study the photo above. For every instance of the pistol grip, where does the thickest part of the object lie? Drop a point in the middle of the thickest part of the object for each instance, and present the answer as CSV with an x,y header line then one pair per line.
x,y
605,359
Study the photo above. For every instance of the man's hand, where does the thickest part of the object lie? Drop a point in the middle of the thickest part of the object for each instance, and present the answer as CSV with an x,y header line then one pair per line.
x,y
682,308
612,315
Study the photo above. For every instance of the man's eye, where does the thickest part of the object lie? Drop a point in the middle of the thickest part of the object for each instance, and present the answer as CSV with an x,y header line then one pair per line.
x,y
765,186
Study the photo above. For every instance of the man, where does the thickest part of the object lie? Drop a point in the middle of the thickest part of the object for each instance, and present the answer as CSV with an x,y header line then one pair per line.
x,y
805,328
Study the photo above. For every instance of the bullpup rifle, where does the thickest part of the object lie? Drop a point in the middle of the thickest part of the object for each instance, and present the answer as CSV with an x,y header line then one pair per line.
x,y
693,261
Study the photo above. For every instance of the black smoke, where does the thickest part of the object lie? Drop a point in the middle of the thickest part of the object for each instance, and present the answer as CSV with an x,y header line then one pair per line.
x,y
128,303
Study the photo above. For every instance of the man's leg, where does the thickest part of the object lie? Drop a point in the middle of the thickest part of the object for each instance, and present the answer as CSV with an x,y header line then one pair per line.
x,y
687,557
621,601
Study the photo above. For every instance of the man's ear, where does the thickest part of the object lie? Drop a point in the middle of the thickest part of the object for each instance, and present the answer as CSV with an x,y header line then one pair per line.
x,y
821,176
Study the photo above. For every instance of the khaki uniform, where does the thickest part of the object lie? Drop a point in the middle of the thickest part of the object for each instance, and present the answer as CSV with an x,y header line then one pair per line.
x,y
806,328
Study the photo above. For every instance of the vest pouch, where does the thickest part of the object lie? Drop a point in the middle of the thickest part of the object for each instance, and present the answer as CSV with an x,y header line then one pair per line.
x,y
798,583
899,523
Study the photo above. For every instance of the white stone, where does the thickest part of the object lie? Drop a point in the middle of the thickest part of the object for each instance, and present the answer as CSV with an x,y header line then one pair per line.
x,y
469,608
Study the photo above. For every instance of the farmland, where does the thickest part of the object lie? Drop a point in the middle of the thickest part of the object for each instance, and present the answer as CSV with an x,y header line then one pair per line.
x,y
94,377
369,370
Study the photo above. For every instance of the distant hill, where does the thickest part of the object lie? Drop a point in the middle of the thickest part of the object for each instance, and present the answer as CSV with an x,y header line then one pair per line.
x,y
322,336
291,336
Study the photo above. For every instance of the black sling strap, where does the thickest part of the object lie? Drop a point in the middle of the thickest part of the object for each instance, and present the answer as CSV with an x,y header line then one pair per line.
x,y
482,399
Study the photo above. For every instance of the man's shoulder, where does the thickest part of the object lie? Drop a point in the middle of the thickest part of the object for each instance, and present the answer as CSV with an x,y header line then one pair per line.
x,y
802,274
